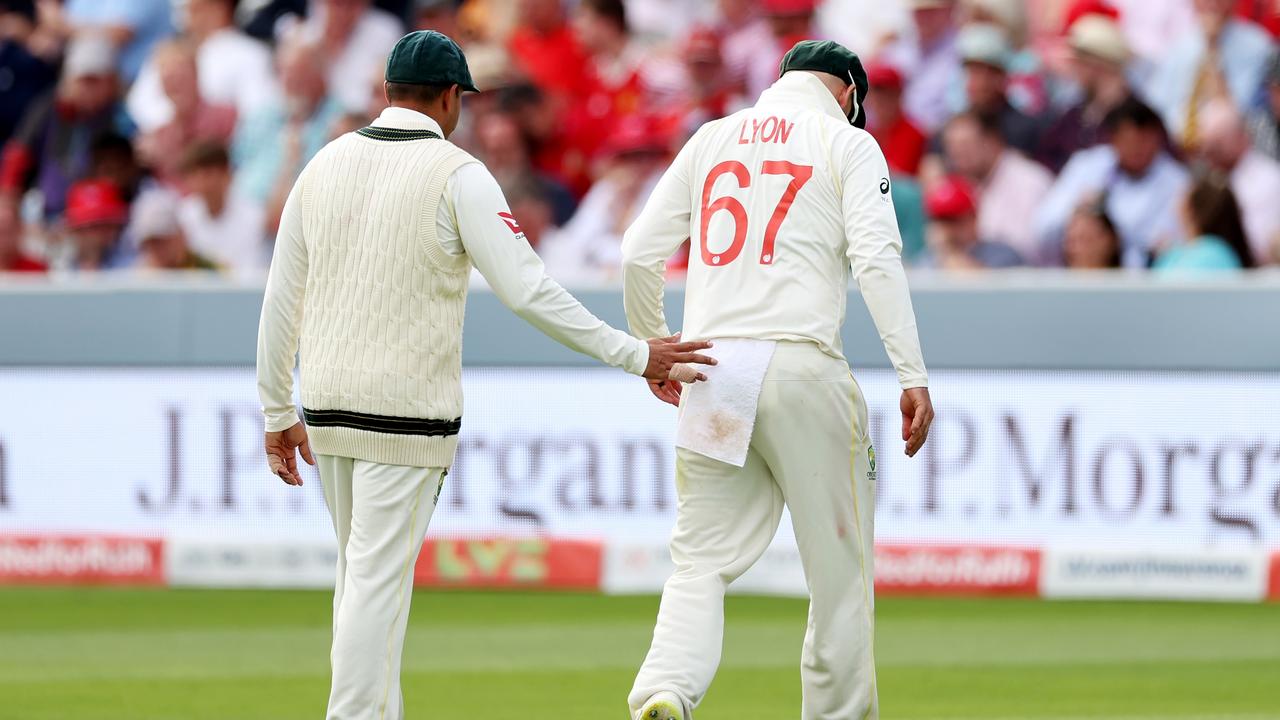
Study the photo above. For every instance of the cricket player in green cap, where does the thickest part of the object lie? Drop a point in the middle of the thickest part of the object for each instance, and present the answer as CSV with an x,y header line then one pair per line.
x,y
368,286
782,202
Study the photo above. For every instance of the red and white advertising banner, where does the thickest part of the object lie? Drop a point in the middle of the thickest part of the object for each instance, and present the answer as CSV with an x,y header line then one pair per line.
x,y
1016,459
957,570
490,562
509,563
81,560
1177,575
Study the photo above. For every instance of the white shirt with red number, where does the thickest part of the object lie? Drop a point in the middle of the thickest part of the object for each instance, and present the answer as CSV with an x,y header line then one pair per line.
x,y
780,202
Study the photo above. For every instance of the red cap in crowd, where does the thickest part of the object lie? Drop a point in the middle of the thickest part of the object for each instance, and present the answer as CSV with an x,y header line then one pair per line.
x,y
789,7
950,199
95,202
883,76
1081,8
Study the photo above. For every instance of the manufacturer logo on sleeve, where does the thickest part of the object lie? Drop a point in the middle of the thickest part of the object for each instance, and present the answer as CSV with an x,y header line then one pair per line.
x,y
884,186
510,220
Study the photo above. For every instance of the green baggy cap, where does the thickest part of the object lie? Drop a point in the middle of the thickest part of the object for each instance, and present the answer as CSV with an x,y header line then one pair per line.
x,y
834,59
426,57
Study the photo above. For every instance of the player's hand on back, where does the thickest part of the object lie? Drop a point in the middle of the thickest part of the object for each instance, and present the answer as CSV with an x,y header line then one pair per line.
x,y
917,416
282,448
665,353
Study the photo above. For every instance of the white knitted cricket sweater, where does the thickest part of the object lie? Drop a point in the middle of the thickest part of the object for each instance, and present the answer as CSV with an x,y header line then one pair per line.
x,y
369,280
381,334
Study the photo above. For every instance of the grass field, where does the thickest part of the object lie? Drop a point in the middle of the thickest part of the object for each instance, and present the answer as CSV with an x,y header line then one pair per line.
x,y
190,655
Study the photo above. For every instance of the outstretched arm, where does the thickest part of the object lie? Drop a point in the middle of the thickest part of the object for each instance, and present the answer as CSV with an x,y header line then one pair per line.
x,y
501,253
875,256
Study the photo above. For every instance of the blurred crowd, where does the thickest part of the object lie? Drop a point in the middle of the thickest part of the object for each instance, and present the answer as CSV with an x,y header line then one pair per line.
x,y
165,134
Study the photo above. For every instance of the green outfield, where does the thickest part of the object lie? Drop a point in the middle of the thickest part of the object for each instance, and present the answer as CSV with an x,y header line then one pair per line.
x,y
191,654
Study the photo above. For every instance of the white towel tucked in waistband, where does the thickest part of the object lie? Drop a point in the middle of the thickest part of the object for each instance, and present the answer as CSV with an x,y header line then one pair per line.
x,y
717,416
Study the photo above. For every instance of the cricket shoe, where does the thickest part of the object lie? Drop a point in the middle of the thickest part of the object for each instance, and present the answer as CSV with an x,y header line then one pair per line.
x,y
662,706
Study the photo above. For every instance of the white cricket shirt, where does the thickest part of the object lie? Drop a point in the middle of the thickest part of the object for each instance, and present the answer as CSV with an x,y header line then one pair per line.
x,y
779,201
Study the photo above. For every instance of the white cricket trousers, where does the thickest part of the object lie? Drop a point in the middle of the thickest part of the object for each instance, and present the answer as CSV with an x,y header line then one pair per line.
x,y
380,514
810,450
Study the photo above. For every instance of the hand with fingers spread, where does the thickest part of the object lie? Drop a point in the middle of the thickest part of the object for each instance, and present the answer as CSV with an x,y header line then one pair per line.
x,y
282,448
917,416
664,353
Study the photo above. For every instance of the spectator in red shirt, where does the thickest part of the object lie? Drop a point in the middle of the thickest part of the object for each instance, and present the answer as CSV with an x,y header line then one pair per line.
x,y
546,51
12,259
902,142
615,75
615,87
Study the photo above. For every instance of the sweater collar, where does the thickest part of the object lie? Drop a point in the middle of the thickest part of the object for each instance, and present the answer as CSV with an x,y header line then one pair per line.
x,y
399,118
804,90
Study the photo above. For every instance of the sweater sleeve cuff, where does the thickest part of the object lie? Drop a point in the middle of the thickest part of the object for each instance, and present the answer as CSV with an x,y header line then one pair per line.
x,y
914,381
639,358
279,421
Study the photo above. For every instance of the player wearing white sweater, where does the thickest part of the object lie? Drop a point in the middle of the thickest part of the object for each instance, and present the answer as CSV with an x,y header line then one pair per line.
x,y
780,202
368,286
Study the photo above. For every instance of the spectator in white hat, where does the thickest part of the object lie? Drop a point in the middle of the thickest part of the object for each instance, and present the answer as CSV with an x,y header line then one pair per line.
x,y
1099,57
157,235
132,26
1027,89
985,53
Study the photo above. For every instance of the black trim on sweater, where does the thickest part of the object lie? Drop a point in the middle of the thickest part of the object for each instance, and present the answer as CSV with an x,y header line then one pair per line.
x,y
397,134
382,423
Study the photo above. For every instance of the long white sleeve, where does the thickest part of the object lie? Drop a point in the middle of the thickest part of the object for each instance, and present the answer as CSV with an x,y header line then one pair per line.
x,y
281,320
651,240
875,256
516,273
